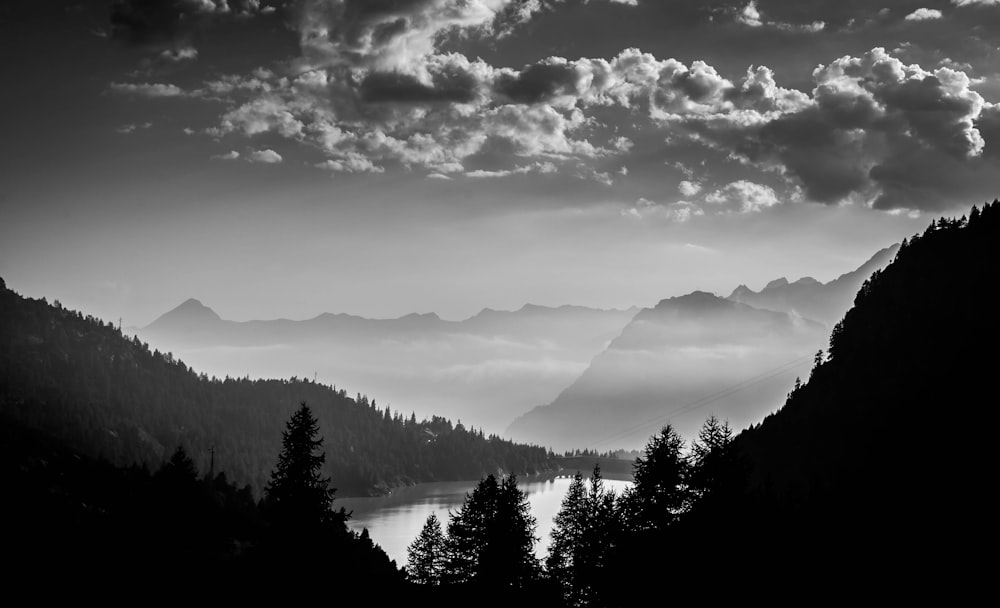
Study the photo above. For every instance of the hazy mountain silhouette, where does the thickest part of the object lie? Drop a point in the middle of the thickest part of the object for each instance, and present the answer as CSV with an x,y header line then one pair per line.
x,y
665,361
112,397
485,370
825,302
878,466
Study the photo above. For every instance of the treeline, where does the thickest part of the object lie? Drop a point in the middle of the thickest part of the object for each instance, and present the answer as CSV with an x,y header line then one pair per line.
x,y
875,474
609,454
177,530
490,540
110,397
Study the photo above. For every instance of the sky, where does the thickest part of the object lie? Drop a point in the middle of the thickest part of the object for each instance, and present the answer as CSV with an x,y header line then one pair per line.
x,y
281,158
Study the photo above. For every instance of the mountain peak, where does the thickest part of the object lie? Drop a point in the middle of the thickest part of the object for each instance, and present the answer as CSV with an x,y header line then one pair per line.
x,y
807,281
189,313
775,284
741,291
695,299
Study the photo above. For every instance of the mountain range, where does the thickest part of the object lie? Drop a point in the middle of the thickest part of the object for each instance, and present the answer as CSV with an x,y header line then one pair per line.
x,y
486,369
607,376
696,355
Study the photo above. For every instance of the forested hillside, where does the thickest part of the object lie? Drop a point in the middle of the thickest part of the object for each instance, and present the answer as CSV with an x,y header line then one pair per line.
x,y
877,469
81,381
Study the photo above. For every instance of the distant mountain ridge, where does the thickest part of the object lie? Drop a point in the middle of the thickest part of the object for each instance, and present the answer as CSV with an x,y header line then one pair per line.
x,y
84,383
485,369
825,302
192,315
697,350
667,358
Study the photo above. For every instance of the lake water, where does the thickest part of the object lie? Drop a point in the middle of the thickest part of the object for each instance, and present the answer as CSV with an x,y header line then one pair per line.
x,y
394,521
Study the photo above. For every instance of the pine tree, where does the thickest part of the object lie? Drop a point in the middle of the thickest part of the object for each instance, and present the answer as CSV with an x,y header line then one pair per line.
x,y
491,537
298,499
584,534
660,492
569,527
711,458
180,468
425,555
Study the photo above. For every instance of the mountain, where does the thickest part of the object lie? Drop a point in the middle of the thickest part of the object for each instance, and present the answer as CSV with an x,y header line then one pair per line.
x,y
83,383
825,302
876,475
485,370
192,315
666,362
884,458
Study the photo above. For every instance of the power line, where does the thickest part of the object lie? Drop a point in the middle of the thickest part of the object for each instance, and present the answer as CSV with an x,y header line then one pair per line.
x,y
710,398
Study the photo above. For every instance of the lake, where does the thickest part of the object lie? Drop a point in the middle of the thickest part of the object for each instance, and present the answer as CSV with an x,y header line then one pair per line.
x,y
394,521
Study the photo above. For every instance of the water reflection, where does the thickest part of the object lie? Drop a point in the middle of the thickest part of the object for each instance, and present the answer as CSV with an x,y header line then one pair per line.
x,y
393,521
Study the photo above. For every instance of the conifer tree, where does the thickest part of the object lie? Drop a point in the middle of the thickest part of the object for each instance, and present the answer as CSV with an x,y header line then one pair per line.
x,y
711,458
425,555
491,537
298,499
660,493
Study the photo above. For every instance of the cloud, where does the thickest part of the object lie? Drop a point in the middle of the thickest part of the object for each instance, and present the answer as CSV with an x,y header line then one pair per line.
x,y
132,127
544,167
147,89
231,155
351,163
168,22
186,53
976,2
380,87
743,196
268,156
750,15
872,129
923,14
688,188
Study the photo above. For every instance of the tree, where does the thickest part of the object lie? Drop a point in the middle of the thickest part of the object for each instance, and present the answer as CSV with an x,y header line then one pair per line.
x,y
491,537
660,493
712,458
180,469
569,527
584,533
425,555
298,499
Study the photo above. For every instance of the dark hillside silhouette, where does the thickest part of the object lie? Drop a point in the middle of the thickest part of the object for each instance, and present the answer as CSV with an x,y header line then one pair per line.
x,y
877,468
82,382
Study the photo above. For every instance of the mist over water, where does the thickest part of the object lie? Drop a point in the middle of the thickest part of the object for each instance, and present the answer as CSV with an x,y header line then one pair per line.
x,y
394,521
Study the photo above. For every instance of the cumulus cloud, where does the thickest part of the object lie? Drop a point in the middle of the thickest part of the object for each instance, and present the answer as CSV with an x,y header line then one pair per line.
x,y
872,129
688,188
924,14
976,2
374,91
231,155
743,196
268,156
185,53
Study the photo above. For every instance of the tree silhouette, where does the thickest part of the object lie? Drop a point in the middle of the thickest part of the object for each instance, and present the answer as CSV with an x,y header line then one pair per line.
x,y
584,533
425,555
298,500
569,527
711,458
660,493
491,537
